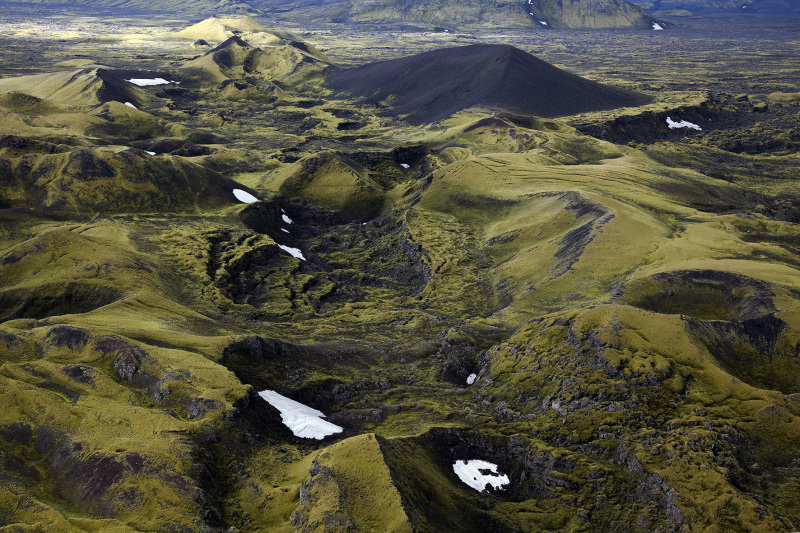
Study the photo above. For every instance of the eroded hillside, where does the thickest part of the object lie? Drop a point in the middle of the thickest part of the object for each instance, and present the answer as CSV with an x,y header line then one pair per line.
x,y
601,305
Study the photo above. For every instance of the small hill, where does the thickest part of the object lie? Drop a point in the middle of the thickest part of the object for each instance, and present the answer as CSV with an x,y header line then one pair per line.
x,y
94,179
25,104
429,87
335,182
26,115
235,58
125,123
78,88
223,28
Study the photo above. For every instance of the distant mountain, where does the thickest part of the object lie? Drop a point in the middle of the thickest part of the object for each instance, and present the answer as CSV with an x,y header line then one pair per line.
x,y
449,13
428,87
718,6
579,14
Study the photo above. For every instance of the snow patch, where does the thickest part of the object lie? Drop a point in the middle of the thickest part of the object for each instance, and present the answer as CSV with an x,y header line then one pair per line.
x,y
284,230
303,420
657,26
142,82
244,196
286,219
148,152
543,23
294,252
131,105
477,474
471,379
405,165
682,124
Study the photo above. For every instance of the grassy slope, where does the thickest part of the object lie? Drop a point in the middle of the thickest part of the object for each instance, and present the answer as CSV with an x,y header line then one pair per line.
x,y
562,270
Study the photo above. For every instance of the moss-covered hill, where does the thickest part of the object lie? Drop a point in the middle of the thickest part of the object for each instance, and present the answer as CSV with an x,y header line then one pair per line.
x,y
540,14
615,325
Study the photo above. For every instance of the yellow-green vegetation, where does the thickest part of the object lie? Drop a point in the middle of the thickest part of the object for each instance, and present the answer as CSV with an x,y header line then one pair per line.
x,y
616,326
222,28
86,87
333,182
287,64
350,487
98,179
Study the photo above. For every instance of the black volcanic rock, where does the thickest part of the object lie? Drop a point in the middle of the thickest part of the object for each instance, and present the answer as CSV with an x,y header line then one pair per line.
x,y
431,86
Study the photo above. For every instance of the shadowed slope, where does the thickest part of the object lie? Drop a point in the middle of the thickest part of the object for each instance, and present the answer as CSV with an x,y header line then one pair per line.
x,y
89,179
432,86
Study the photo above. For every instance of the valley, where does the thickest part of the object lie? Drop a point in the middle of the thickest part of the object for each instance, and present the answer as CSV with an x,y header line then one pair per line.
x,y
601,308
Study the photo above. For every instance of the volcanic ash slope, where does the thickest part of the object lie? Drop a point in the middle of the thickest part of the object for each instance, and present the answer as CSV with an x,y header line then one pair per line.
x,y
431,86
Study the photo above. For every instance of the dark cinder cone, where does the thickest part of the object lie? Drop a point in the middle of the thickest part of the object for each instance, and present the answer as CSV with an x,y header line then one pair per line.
x,y
432,86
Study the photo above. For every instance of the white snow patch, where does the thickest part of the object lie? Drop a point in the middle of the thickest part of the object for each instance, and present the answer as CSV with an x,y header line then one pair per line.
x,y
142,82
284,230
405,165
543,23
657,26
471,379
294,252
303,420
470,473
682,124
131,105
244,196
286,218
148,152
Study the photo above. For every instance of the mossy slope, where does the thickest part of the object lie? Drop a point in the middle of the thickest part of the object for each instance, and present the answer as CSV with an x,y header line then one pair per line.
x,y
86,87
99,179
334,182
287,64
618,332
